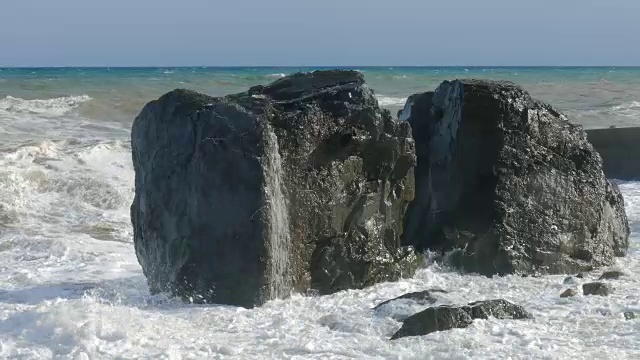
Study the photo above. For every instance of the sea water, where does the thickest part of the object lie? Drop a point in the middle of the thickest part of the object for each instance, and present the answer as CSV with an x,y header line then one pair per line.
x,y
71,286
279,240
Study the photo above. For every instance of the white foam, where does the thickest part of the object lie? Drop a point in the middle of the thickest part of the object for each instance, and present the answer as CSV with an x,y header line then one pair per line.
x,y
391,101
278,75
65,292
631,109
279,246
42,107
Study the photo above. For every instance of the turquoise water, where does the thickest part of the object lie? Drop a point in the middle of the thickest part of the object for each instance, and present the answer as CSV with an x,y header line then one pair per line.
x,y
100,103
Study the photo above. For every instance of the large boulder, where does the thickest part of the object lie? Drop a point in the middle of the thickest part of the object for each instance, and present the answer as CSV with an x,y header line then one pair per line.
x,y
448,317
302,184
509,184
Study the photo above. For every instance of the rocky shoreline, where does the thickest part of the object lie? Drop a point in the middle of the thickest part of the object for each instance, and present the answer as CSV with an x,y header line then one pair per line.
x,y
306,185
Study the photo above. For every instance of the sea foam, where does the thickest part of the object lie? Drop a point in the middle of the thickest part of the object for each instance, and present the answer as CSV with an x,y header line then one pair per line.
x,y
43,107
630,109
391,101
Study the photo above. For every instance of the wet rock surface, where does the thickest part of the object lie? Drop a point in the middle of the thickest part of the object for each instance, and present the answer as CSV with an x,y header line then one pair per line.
x,y
596,288
508,184
569,293
611,275
419,297
449,317
301,184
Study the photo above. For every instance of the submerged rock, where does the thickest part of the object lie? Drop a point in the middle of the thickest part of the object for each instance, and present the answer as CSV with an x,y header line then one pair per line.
x,y
630,315
509,184
611,275
420,297
301,184
449,317
569,293
596,288
408,304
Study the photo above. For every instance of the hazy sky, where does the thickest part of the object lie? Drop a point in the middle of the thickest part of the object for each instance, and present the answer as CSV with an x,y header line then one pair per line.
x,y
320,32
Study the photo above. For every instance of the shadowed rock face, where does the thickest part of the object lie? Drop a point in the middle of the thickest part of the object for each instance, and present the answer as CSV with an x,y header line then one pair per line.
x,y
619,150
509,184
450,317
300,184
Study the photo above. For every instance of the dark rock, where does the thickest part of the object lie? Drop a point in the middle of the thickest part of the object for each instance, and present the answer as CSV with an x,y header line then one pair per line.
x,y
569,280
420,297
449,317
611,275
569,293
619,150
298,185
630,315
508,184
580,275
596,288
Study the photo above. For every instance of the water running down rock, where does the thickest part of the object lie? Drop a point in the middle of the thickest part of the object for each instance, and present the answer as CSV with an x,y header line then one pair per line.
x,y
302,184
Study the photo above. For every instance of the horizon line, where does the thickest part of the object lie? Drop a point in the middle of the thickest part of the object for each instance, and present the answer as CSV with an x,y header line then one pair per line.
x,y
309,66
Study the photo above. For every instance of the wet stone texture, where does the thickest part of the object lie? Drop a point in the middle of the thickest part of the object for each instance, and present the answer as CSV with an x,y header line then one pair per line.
x,y
301,184
508,184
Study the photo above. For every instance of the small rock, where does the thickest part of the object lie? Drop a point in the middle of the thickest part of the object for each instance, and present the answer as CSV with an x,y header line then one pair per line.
x,y
569,293
630,315
596,288
580,275
449,317
569,280
420,297
611,275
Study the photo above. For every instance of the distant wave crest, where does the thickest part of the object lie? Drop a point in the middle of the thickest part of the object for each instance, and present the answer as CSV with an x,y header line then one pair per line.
x,y
45,107
631,109
391,101
279,75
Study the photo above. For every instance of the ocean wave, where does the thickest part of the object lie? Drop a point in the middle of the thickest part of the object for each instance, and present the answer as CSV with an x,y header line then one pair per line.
x,y
278,75
631,109
48,184
45,107
391,101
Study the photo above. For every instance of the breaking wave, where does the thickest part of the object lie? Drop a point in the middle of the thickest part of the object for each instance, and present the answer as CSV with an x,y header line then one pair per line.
x,y
43,107
391,101
631,109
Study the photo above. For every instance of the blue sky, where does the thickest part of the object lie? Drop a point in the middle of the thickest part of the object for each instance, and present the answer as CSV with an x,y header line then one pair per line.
x,y
327,32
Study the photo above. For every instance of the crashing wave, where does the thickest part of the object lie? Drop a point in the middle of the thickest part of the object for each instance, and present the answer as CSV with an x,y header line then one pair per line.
x,y
44,107
391,101
631,109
